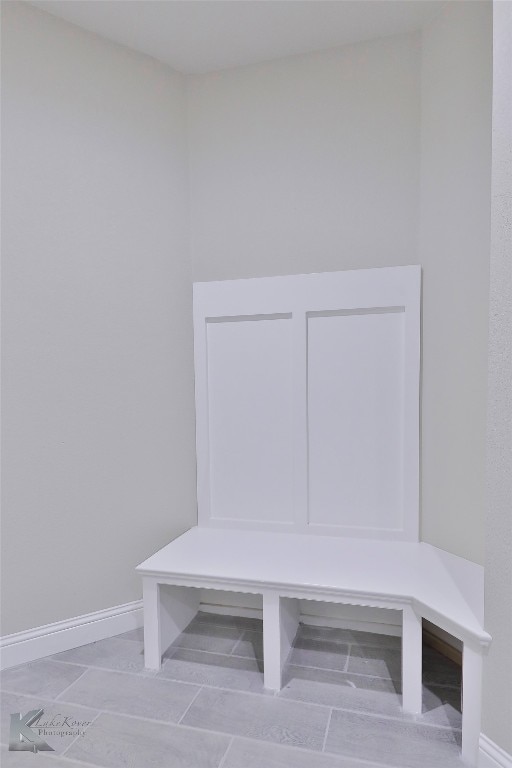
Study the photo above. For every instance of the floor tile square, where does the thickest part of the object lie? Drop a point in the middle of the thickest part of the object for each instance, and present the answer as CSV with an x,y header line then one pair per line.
x,y
377,662
442,706
114,741
333,677
43,678
199,636
122,693
111,653
319,653
258,754
213,669
342,695
133,634
250,645
10,759
392,742
258,717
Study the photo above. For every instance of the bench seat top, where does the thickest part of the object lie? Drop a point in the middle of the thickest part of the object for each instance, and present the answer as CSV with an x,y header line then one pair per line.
x,y
442,587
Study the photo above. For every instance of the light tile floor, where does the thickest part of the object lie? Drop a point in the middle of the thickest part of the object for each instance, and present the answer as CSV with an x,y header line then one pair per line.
x,y
207,708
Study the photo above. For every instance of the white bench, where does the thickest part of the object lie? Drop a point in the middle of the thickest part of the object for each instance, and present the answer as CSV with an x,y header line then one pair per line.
x,y
307,438
420,580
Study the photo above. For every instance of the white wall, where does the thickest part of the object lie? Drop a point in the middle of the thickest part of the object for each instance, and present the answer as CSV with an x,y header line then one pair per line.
x,y
99,467
456,92
329,161
376,154
497,700
307,164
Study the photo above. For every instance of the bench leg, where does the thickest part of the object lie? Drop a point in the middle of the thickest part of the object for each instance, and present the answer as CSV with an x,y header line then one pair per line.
x,y
411,661
471,703
280,623
167,611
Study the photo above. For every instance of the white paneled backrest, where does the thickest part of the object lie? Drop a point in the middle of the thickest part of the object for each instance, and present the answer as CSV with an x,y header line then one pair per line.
x,y
307,402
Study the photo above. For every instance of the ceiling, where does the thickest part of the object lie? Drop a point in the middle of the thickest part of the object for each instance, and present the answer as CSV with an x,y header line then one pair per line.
x,y
197,36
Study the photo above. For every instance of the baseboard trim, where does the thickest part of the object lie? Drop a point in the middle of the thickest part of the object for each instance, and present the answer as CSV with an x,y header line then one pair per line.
x,y
33,644
378,627
232,610
317,621
492,756
439,644
37,643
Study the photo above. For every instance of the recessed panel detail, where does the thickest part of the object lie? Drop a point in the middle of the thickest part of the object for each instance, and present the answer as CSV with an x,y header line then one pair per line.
x,y
355,397
249,369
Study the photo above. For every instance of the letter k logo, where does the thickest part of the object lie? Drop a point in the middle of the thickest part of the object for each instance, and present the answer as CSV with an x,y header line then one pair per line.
x,y
22,738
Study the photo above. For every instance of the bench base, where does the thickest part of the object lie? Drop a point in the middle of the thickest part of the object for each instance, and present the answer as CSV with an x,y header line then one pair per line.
x,y
171,593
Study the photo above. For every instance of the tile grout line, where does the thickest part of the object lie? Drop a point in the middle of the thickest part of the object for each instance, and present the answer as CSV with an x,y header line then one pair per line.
x,y
67,760
302,666
310,752
386,646
356,674
257,658
359,760
317,637
84,671
349,651
45,659
138,673
327,730
171,724
115,672
218,653
363,761
192,701
151,673
222,688
200,729
232,652
242,632
78,736
247,693
224,756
